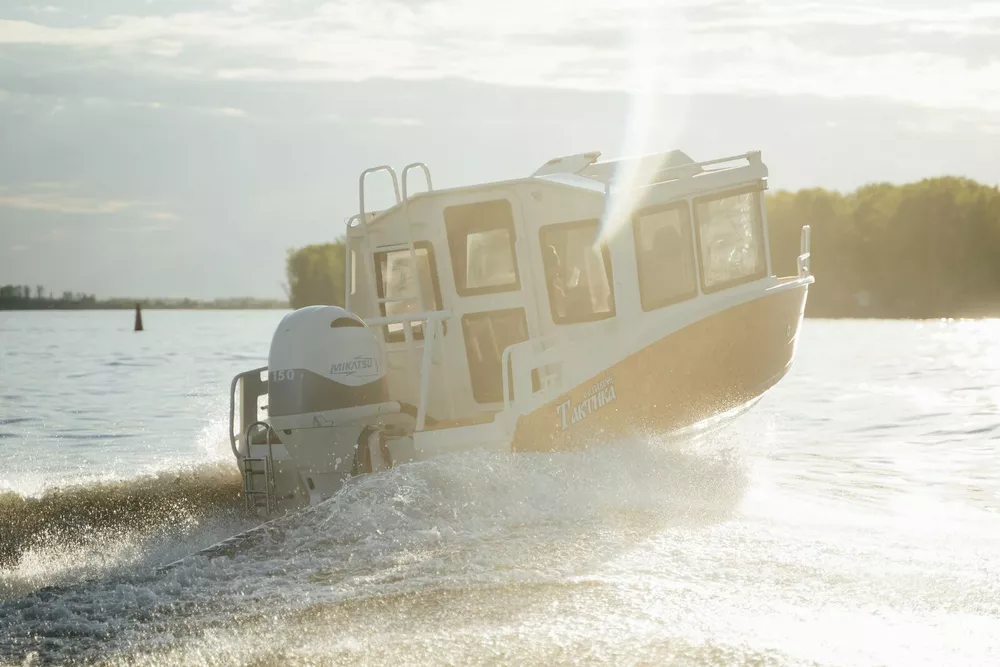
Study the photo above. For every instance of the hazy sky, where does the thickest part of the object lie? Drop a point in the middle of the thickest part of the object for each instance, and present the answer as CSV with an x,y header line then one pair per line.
x,y
180,147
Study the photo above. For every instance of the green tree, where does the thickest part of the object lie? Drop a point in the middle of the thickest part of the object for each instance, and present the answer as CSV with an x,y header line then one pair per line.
x,y
925,249
316,275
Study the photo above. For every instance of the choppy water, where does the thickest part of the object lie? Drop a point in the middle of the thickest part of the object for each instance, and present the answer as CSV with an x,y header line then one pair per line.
x,y
853,517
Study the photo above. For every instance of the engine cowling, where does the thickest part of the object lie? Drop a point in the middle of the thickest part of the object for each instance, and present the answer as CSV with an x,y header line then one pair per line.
x,y
323,358
328,399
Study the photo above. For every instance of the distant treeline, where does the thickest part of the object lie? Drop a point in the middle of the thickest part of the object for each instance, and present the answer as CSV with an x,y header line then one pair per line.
x,y
22,297
923,250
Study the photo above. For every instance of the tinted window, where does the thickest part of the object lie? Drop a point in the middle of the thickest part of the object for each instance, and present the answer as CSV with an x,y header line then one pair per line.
x,y
486,336
397,279
577,272
664,256
730,239
481,239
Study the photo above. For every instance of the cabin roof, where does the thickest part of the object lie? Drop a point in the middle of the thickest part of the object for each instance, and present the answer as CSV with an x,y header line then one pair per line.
x,y
584,172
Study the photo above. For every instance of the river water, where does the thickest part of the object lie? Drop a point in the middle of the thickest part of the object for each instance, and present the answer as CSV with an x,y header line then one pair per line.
x,y
851,518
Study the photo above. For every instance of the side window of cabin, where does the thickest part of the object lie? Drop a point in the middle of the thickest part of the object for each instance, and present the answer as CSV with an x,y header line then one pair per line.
x,y
731,239
481,239
577,272
487,334
664,256
397,279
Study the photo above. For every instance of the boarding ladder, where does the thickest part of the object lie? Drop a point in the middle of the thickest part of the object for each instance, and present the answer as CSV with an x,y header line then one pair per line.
x,y
433,322
258,475
362,220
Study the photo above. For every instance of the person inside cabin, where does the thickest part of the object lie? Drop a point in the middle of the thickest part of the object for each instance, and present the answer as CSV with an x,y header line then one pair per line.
x,y
553,272
569,275
579,302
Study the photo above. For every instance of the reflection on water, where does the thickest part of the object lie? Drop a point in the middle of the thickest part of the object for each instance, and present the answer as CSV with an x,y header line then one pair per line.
x,y
473,522
851,517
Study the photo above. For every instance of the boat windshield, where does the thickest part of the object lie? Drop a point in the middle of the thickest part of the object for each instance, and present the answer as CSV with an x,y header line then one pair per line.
x,y
731,239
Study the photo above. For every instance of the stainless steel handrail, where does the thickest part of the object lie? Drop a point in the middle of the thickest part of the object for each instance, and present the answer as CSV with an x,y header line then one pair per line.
x,y
235,437
804,260
361,185
427,176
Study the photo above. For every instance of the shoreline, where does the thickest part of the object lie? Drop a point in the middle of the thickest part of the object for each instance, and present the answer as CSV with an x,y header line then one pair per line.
x,y
180,304
208,307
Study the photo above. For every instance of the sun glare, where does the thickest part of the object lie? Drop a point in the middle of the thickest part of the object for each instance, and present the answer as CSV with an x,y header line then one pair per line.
x,y
656,55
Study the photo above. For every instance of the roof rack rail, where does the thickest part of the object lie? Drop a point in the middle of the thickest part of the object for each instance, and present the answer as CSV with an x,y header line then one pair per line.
x,y
663,166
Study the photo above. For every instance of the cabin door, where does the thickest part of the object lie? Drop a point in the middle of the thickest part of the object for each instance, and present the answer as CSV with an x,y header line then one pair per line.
x,y
495,303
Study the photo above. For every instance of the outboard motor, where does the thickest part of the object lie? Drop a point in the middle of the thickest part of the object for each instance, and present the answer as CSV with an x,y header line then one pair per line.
x,y
327,393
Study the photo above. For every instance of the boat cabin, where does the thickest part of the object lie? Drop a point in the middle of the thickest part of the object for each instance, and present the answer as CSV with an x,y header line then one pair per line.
x,y
454,278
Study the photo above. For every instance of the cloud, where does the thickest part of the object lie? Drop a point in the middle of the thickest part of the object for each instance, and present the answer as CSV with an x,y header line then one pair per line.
x,y
931,57
62,204
49,197
139,229
227,123
46,101
160,215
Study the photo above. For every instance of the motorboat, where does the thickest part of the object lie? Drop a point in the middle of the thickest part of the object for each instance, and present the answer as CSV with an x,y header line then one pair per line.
x,y
588,301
